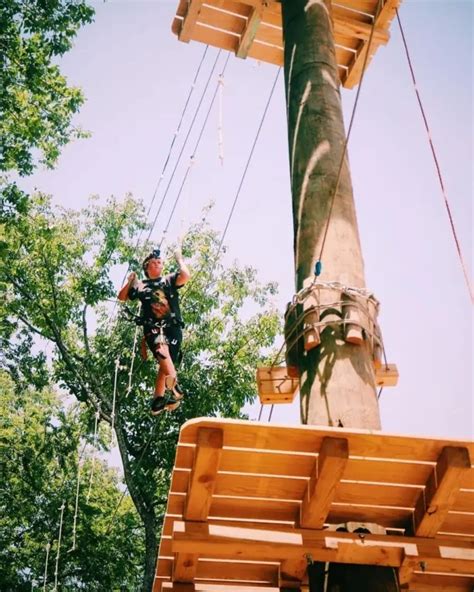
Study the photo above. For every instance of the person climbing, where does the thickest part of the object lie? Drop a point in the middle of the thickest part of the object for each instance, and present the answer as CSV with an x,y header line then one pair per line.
x,y
162,323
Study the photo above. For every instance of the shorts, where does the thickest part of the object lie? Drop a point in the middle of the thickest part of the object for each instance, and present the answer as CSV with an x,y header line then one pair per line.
x,y
174,337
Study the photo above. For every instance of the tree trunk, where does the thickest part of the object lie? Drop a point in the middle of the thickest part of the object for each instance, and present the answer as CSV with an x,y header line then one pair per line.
x,y
337,378
145,510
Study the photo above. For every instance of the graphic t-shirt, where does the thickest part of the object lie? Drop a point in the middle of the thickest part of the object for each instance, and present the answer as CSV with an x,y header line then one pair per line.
x,y
159,298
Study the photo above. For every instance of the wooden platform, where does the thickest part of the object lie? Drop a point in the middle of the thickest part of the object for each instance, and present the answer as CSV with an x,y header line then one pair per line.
x,y
252,28
249,500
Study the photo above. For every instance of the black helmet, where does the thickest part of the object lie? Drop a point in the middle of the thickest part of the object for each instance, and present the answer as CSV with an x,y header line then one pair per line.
x,y
155,254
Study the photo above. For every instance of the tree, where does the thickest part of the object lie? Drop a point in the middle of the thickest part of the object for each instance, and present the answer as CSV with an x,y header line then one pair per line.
x,y
39,449
58,277
36,103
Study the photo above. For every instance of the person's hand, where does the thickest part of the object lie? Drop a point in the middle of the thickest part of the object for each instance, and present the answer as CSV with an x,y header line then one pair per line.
x,y
132,278
178,255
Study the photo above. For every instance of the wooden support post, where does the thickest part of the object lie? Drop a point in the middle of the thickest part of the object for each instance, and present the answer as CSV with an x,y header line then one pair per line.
x,y
321,489
250,32
189,21
199,498
292,573
441,489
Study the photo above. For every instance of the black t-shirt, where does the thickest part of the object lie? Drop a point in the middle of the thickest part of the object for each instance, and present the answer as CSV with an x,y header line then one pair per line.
x,y
159,298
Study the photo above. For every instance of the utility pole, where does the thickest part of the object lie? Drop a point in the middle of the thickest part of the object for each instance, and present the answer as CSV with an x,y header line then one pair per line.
x,y
337,377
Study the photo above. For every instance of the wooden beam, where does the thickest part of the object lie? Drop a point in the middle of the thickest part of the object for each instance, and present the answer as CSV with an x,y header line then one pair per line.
x,y
352,28
216,541
246,40
292,573
189,21
443,485
203,476
198,501
321,489
355,67
185,566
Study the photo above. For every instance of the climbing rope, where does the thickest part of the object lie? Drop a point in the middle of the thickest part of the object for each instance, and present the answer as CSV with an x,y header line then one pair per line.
x,y
175,135
56,569
178,160
193,155
76,503
45,575
94,447
435,158
349,130
220,133
114,397
210,265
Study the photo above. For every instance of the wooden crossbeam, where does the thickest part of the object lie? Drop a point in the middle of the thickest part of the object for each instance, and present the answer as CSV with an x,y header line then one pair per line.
x,y
442,487
199,498
189,21
355,67
321,488
441,555
203,476
250,32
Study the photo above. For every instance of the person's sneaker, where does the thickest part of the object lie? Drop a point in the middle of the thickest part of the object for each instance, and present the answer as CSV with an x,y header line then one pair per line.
x,y
166,403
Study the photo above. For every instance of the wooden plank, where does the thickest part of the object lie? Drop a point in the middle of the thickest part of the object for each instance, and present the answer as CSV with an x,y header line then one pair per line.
x,y
249,33
203,476
222,20
298,465
462,524
386,517
307,439
464,502
189,21
321,488
245,509
437,500
421,582
365,6
264,545
236,8
343,25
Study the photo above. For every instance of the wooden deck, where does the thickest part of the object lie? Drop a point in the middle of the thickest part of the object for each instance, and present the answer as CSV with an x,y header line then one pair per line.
x,y
248,501
253,28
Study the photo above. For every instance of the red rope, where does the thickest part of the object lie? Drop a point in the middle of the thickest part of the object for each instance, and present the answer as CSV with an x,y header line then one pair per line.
x,y
440,177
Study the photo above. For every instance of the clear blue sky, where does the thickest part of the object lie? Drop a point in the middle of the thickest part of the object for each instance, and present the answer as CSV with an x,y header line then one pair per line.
x,y
136,76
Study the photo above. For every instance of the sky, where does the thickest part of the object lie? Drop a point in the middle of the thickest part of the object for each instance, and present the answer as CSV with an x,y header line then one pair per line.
x,y
136,77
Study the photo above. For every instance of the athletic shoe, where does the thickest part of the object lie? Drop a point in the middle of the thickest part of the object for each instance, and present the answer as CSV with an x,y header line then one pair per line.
x,y
166,403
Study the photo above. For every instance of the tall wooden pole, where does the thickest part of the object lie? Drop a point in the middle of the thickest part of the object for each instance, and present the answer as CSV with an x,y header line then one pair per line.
x,y
337,378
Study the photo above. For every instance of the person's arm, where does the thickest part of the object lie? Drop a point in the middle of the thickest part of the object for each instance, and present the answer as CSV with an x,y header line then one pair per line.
x,y
183,273
123,294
